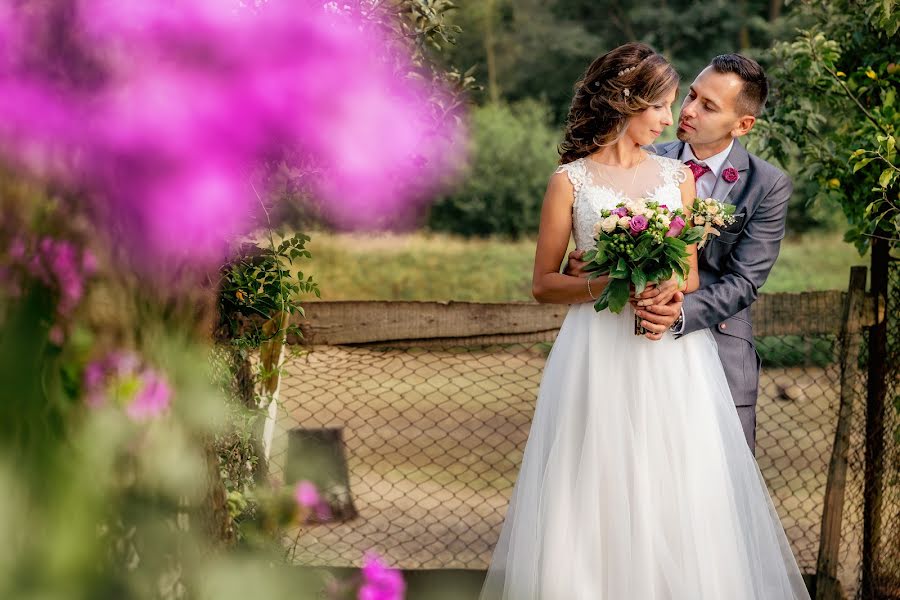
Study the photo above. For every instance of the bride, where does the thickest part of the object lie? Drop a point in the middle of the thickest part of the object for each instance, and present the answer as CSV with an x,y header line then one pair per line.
x,y
636,482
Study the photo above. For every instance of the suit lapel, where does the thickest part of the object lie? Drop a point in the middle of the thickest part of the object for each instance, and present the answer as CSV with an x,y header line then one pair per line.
x,y
670,150
739,160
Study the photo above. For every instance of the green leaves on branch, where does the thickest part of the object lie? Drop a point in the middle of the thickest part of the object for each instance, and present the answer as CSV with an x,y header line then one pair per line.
x,y
264,282
835,120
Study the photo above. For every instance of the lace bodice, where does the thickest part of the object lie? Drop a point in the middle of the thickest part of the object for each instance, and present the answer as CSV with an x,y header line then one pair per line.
x,y
600,186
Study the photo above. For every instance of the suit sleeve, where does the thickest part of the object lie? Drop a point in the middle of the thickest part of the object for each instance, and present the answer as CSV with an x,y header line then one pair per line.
x,y
747,267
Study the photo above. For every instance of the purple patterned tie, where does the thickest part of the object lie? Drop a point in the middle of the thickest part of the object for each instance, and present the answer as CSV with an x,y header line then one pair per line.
x,y
697,169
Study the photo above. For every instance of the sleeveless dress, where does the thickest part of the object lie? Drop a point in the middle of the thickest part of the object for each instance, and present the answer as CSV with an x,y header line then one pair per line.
x,y
636,481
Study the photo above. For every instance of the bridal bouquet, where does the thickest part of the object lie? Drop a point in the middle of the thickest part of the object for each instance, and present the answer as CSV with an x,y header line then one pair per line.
x,y
642,241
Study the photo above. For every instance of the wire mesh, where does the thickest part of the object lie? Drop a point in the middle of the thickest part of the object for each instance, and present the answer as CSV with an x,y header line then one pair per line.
x,y
883,435
434,437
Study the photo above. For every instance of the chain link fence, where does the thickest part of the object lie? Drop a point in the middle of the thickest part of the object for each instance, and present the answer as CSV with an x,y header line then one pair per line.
x,y
428,439
880,577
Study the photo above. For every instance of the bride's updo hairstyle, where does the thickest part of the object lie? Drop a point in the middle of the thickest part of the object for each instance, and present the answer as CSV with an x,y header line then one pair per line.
x,y
621,83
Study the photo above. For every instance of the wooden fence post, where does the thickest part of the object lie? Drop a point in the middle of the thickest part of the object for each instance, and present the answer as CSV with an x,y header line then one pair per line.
x,y
827,585
873,492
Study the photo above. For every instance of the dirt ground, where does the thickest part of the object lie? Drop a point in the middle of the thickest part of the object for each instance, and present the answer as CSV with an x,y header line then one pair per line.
x,y
433,440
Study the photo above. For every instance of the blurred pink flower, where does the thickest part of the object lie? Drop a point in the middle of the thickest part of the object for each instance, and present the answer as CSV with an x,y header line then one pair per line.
x,y
59,265
158,112
306,494
308,498
152,398
120,377
379,581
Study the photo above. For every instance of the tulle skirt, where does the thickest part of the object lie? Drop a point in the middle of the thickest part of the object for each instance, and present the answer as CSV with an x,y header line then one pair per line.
x,y
636,481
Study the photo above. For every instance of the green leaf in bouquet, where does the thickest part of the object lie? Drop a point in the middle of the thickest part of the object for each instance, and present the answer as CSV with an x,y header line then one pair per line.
x,y
675,253
642,248
602,302
589,255
661,274
639,279
621,270
674,242
618,294
692,235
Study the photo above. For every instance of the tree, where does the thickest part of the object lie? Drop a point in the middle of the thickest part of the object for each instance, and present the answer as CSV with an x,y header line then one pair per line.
x,y
834,112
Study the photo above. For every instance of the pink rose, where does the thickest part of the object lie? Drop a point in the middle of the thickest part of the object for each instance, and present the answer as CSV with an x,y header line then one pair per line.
x,y
730,175
675,227
620,212
638,224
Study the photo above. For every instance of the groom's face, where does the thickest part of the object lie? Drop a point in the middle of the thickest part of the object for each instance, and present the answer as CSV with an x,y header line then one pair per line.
x,y
709,113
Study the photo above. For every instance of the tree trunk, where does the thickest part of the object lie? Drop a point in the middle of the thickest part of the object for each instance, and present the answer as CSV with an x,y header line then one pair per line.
x,y
775,7
490,52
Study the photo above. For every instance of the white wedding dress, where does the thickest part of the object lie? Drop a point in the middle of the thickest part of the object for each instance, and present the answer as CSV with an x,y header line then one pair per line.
x,y
636,481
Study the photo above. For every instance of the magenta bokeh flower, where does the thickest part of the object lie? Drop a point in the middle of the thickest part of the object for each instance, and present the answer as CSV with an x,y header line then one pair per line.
x,y
60,266
676,225
123,379
152,398
159,113
306,494
308,498
379,581
638,224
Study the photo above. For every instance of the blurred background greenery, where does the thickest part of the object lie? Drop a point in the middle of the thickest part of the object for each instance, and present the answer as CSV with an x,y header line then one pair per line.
x,y
475,241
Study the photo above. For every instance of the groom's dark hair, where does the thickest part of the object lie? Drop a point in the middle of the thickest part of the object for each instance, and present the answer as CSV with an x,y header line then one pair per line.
x,y
752,98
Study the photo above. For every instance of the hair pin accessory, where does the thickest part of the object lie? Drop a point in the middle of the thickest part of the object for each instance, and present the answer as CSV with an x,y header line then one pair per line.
x,y
628,70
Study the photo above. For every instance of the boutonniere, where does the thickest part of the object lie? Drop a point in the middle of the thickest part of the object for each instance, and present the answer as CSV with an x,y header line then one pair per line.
x,y
730,175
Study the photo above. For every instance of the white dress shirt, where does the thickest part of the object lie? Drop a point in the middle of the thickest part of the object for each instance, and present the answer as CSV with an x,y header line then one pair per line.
x,y
715,162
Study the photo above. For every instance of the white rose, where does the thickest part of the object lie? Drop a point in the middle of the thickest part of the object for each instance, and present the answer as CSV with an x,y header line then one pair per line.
x,y
718,221
699,220
596,228
609,223
664,221
624,222
636,207
712,209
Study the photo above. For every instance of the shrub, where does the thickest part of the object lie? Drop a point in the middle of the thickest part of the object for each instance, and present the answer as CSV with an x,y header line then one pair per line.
x,y
512,155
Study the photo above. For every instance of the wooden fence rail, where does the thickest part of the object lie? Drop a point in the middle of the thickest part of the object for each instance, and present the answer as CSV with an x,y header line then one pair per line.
x,y
405,323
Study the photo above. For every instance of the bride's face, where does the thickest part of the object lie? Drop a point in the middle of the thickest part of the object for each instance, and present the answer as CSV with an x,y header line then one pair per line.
x,y
644,127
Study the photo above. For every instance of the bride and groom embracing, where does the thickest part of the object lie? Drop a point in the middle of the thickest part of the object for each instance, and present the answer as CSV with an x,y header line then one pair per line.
x,y
638,480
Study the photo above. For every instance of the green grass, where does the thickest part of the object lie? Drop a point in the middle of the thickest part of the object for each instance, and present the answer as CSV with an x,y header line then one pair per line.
x,y
422,266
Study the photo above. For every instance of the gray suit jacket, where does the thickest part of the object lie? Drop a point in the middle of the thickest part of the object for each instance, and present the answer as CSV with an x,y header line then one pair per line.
x,y
735,265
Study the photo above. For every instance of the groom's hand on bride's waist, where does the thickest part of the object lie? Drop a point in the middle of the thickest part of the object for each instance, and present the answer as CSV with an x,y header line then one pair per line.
x,y
575,266
658,318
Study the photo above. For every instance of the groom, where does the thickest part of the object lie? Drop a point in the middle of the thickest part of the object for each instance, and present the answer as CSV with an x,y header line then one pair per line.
x,y
722,105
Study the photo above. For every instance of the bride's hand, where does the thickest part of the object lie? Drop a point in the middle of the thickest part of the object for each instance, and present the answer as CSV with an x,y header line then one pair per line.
x,y
660,293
